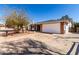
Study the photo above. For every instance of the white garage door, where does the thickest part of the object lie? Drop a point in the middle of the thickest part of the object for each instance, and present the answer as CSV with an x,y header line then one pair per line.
x,y
51,28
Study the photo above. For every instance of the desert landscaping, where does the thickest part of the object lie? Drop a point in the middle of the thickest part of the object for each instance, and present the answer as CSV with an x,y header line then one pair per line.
x,y
35,43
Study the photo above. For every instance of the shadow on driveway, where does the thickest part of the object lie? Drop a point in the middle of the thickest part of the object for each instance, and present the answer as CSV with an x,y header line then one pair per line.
x,y
71,49
77,50
25,47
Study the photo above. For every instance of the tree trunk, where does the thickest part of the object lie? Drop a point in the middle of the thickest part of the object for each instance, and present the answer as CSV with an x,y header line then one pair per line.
x,y
22,29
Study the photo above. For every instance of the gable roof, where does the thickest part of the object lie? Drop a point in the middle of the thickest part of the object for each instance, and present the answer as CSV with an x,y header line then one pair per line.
x,y
52,21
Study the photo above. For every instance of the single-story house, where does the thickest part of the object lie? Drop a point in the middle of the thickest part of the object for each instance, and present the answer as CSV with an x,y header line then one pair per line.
x,y
2,26
52,26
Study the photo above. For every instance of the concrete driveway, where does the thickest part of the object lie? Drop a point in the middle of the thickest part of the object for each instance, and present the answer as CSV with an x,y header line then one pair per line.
x,y
74,37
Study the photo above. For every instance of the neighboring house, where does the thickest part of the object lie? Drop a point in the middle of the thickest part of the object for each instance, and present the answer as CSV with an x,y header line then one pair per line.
x,y
52,26
2,26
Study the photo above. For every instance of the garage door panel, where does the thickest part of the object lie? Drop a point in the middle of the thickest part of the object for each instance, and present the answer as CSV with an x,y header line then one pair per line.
x,y
51,28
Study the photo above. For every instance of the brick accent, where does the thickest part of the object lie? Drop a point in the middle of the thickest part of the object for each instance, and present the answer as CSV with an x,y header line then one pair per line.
x,y
62,27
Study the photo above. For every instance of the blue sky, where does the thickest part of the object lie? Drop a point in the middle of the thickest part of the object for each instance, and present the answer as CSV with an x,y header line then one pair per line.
x,y
42,12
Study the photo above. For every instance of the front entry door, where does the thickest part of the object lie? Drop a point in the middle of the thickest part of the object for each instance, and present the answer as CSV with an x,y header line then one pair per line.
x,y
38,27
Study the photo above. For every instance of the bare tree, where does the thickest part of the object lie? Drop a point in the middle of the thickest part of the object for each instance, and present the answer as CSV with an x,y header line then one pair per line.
x,y
17,20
